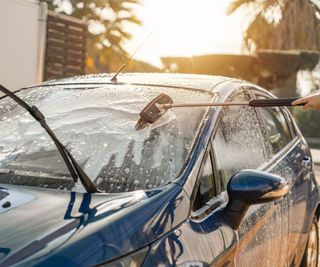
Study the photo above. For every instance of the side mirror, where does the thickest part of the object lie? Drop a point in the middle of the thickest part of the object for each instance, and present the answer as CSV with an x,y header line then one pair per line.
x,y
249,187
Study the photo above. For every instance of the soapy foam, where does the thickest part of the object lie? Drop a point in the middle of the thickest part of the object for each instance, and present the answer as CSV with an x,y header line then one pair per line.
x,y
98,127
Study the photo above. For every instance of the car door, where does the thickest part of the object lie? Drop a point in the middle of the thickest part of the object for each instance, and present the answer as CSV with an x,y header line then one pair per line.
x,y
293,162
239,143
198,241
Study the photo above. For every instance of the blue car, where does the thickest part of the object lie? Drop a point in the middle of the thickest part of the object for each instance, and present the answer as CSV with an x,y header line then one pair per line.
x,y
82,185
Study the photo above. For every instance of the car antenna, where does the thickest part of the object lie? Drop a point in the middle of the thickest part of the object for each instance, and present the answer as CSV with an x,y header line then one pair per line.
x,y
114,77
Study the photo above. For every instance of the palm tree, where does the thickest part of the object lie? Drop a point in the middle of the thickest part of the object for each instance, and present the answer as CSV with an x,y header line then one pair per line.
x,y
259,6
277,24
106,21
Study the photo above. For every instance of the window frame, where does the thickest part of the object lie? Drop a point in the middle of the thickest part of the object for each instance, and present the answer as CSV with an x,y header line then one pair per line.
x,y
208,206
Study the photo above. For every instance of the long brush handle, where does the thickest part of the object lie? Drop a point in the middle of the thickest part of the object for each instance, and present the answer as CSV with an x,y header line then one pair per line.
x,y
194,105
252,103
272,102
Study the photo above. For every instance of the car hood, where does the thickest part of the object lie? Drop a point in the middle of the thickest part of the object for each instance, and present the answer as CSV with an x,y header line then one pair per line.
x,y
38,225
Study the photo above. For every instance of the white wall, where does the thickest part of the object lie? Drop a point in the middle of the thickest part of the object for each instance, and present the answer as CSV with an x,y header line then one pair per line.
x,y
19,43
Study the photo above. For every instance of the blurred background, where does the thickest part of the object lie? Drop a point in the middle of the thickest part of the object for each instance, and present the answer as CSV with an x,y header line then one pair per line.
x,y
273,43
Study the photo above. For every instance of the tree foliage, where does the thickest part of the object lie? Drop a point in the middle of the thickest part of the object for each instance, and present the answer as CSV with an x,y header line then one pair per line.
x,y
308,122
277,24
258,6
107,20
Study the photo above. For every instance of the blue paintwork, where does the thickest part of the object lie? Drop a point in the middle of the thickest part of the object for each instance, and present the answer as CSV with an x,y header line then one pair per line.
x,y
101,227
73,229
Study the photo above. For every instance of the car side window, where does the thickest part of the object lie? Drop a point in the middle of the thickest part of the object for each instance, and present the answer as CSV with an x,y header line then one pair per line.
x,y
277,130
238,142
206,188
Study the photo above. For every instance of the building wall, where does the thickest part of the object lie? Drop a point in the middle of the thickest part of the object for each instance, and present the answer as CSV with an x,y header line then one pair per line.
x,y
19,43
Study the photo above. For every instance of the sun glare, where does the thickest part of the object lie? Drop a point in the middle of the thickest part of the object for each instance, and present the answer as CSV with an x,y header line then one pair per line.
x,y
185,28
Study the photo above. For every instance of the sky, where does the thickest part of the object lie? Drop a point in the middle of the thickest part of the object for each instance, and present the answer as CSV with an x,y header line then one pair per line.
x,y
185,28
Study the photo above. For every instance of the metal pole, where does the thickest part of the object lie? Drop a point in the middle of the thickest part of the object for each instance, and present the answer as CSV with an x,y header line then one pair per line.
x,y
204,105
42,32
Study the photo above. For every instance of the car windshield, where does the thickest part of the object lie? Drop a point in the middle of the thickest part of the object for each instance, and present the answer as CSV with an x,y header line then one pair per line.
x,y
97,125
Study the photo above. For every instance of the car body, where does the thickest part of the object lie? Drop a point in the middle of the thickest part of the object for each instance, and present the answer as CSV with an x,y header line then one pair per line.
x,y
166,189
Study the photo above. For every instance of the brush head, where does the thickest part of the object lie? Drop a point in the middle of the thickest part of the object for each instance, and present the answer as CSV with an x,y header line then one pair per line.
x,y
153,111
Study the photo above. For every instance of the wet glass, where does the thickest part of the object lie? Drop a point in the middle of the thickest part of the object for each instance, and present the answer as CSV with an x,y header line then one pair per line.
x,y
206,189
276,127
97,125
238,142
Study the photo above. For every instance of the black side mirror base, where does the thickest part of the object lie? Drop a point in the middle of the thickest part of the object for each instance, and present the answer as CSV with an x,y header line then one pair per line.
x,y
234,213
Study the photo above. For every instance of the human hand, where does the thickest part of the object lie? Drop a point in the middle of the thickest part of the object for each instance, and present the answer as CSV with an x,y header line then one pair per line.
x,y
310,102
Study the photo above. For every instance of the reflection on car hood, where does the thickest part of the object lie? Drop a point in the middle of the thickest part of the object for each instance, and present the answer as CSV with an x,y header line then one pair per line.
x,y
42,223
35,219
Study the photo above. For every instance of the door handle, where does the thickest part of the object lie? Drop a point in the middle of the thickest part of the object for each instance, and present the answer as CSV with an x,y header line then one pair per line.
x,y
306,161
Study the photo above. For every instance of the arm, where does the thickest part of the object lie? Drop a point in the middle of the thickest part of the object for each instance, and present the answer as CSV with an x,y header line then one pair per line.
x,y
310,102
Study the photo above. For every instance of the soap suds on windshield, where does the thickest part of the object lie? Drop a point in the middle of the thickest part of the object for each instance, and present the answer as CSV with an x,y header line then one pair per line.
x,y
98,127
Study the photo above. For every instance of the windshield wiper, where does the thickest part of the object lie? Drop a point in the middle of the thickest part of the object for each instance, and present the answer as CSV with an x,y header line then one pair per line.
x,y
74,168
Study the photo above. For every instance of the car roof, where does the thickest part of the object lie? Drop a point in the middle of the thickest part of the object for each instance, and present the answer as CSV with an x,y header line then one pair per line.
x,y
192,81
